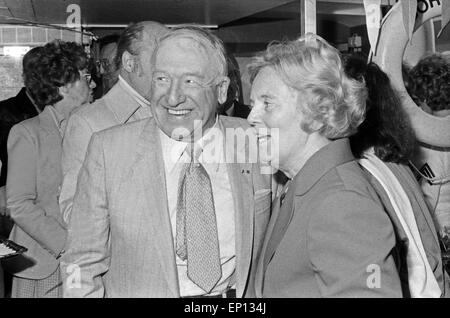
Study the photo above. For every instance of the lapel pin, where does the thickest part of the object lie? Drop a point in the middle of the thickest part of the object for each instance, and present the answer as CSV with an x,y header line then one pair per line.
x,y
282,198
283,195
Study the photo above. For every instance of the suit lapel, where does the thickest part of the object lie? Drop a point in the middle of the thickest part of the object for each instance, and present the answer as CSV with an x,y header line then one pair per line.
x,y
240,176
260,270
149,163
51,137
282,213
244,210
286,211
121,103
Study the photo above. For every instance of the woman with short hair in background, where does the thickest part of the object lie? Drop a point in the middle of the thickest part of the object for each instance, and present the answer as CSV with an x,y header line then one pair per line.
x,y
59,84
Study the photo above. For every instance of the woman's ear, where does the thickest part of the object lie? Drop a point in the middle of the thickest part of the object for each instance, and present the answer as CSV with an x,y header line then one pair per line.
x,y
128,61
64,90
315,125
222,89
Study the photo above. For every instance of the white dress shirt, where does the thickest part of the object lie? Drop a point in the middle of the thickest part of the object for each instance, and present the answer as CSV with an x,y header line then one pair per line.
x,y
174,157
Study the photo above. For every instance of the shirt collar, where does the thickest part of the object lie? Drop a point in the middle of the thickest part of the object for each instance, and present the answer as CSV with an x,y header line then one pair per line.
x,y
133,93
175,151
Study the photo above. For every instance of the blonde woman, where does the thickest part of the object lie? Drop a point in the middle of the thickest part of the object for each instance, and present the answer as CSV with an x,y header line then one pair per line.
x,y
328,235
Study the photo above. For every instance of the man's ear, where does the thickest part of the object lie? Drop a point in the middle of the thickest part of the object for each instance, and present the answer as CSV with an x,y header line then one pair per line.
x,y
222,89
128,61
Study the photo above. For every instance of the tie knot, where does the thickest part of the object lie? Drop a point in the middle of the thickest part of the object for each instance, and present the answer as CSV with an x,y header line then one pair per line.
x,y
194,152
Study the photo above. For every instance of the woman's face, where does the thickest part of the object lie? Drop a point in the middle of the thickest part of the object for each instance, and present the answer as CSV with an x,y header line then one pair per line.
x,y
79,92
276,117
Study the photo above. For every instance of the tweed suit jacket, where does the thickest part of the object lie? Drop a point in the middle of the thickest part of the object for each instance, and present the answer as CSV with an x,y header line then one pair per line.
x,y
328,235
32,189
120,234
117,107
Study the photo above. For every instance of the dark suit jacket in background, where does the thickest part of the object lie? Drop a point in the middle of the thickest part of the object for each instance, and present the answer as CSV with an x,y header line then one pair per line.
x,y
239,110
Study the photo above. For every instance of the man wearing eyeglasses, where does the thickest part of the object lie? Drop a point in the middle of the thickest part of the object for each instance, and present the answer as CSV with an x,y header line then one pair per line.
x,y
106,65
125,102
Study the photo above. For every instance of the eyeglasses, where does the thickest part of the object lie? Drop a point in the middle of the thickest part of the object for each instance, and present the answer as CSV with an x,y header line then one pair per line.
x,y
88,78
105,63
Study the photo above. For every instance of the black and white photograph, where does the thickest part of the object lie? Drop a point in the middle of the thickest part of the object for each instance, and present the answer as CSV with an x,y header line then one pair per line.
x,y
225,153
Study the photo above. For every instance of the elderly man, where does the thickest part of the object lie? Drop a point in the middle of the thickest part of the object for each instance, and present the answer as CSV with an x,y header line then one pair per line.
x,y
125,102
159,212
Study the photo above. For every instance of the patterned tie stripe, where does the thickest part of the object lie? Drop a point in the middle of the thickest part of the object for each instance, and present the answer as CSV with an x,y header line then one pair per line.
x,y
197,237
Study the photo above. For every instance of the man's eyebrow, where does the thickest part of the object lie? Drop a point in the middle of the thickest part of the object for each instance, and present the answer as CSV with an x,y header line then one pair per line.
x,y
267,96
196,74
264,96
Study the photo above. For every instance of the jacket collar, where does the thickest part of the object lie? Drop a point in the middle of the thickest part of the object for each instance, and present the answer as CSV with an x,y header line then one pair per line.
x,y
122,104
332,155
25,104
47,122
141,100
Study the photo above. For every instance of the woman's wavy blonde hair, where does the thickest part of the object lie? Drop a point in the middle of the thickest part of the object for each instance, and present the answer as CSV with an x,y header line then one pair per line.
x,y
327,96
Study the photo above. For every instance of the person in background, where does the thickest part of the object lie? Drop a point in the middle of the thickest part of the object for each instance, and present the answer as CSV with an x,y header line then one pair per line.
x,y
234,105
106,66
328,231
385,145
430,89
58,83
125,102
13,111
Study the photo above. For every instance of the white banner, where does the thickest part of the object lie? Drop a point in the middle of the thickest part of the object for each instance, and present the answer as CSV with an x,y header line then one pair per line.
x,y
445,15
373,21
409,8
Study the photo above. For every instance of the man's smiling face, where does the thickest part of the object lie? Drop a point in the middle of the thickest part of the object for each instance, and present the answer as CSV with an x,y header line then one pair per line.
x,y
185,93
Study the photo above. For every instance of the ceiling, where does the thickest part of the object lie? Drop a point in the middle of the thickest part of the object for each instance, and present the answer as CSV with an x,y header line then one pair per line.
x,y
208,12
245,25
